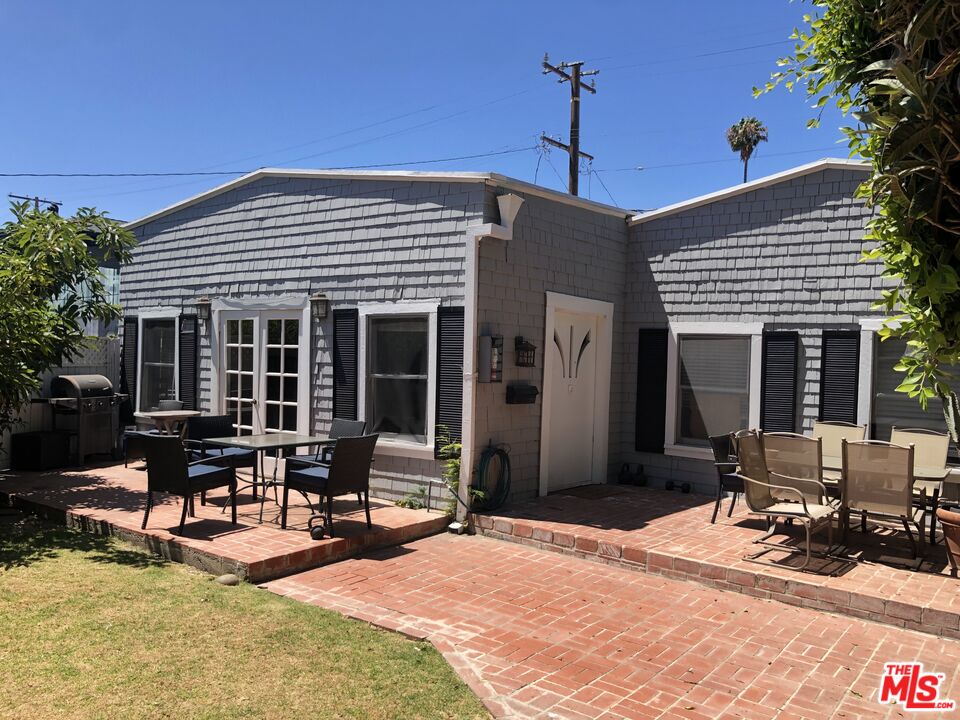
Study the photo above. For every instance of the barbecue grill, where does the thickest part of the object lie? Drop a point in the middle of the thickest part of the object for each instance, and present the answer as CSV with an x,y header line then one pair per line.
x,y
86,406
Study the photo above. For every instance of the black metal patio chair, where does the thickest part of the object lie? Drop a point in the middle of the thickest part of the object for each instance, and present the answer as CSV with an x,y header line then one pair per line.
x,y
347,473
169,471
725,460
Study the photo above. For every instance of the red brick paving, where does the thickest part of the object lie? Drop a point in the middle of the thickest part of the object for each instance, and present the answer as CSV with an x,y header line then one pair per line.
x,y
541,635
670,534
111,500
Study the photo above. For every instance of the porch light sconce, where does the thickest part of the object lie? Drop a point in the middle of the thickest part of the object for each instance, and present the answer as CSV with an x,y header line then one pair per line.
x,y
203,307
319,306
526,352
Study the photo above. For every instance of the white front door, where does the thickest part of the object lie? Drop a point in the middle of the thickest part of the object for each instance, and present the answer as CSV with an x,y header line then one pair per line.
x,y
576,397
573,386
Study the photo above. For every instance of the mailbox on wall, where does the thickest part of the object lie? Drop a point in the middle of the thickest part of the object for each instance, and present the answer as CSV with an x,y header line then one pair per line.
x,y
490,358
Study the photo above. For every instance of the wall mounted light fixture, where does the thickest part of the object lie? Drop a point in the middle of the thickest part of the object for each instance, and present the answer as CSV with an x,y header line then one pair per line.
x,y
203,307
319,306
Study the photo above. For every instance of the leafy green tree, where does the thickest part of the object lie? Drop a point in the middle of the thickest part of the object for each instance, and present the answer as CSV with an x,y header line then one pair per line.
x,y
50,286
744,136
892,65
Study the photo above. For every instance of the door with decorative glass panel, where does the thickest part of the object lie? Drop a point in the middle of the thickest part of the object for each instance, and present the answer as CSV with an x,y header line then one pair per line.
x,y
263,383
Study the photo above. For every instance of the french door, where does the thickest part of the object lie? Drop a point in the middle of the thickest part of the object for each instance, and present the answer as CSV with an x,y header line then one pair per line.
x,y
263,370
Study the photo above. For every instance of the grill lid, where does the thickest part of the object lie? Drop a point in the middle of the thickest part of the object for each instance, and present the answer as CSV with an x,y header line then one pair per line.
x,y
80,386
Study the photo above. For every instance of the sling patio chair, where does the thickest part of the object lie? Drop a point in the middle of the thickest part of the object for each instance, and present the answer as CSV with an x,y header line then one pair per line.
x,y
877,480
347,473
768,497
725,460
832,434
169,471
791,455
930,449
950,522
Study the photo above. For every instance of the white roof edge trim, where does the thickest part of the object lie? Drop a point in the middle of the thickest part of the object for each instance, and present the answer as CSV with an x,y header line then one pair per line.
x,y
767,181
412,175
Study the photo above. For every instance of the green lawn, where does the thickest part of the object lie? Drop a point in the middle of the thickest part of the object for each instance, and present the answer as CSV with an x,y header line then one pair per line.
x,y
92,628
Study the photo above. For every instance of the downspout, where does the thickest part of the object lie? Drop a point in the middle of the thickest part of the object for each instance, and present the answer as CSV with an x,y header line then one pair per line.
x,y
509,207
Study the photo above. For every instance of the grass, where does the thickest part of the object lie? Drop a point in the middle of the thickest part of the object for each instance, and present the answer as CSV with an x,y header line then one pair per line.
x,y
91,628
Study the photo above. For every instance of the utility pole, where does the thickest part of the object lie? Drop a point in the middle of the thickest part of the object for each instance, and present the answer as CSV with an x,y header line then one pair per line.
x,y
51,204
574,76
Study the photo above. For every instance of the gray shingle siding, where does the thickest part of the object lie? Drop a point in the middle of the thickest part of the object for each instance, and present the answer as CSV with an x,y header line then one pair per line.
x,y
556,248
356,240
787,255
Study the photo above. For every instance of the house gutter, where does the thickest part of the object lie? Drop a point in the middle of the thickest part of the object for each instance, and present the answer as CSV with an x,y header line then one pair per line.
x,y
509,207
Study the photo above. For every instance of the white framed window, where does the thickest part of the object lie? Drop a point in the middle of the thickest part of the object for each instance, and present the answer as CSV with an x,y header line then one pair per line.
x,y
158,354
398,375
713,383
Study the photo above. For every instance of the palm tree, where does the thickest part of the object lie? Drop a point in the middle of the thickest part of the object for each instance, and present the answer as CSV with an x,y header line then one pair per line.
x,y
744,136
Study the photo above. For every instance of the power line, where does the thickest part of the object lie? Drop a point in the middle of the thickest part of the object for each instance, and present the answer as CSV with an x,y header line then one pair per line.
x,y
600,179
118,174
244,172
710,162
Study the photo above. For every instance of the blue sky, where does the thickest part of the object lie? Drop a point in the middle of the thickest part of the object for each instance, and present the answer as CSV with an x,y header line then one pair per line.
x,y
207,86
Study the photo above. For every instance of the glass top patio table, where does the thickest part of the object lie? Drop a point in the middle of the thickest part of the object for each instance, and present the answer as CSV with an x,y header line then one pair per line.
x,y
270,441
832,462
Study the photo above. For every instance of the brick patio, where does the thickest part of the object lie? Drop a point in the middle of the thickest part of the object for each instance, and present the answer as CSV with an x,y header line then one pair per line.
x,y
111,499
670,534
540,635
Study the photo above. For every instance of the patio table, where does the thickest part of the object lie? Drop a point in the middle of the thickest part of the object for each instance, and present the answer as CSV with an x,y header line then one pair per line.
x,y
166,420
261,443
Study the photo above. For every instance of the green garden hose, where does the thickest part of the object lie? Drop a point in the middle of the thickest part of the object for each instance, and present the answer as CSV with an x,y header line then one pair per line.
x,y
485,497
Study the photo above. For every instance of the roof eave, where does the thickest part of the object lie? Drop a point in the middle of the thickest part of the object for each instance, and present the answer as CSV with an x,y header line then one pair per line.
x,y
767,181
492,179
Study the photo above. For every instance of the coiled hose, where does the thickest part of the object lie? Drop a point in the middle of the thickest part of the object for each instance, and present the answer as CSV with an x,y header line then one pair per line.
x,y
485,497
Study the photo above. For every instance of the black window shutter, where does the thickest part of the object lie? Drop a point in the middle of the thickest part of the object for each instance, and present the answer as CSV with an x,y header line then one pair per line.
x,y
449,414
839,375
189,342
778,382
345,348
651,389
128,369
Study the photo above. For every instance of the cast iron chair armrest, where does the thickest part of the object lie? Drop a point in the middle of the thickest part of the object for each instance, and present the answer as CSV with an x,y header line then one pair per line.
x,y
809,481
201,461
786,488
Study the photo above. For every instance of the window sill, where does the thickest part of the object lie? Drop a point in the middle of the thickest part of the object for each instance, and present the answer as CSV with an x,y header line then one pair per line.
x,y
404,449
689,451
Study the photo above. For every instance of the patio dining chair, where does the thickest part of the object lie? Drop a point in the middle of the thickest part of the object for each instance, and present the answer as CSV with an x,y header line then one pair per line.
x,y
347,473
203,427
339,428
930,449
832,433
877,480
725,460
169,471
768,497
950,522
791,455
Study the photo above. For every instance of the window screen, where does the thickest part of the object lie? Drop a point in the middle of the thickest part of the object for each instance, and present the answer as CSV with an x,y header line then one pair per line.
x,y
397,377
158,363
714,387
